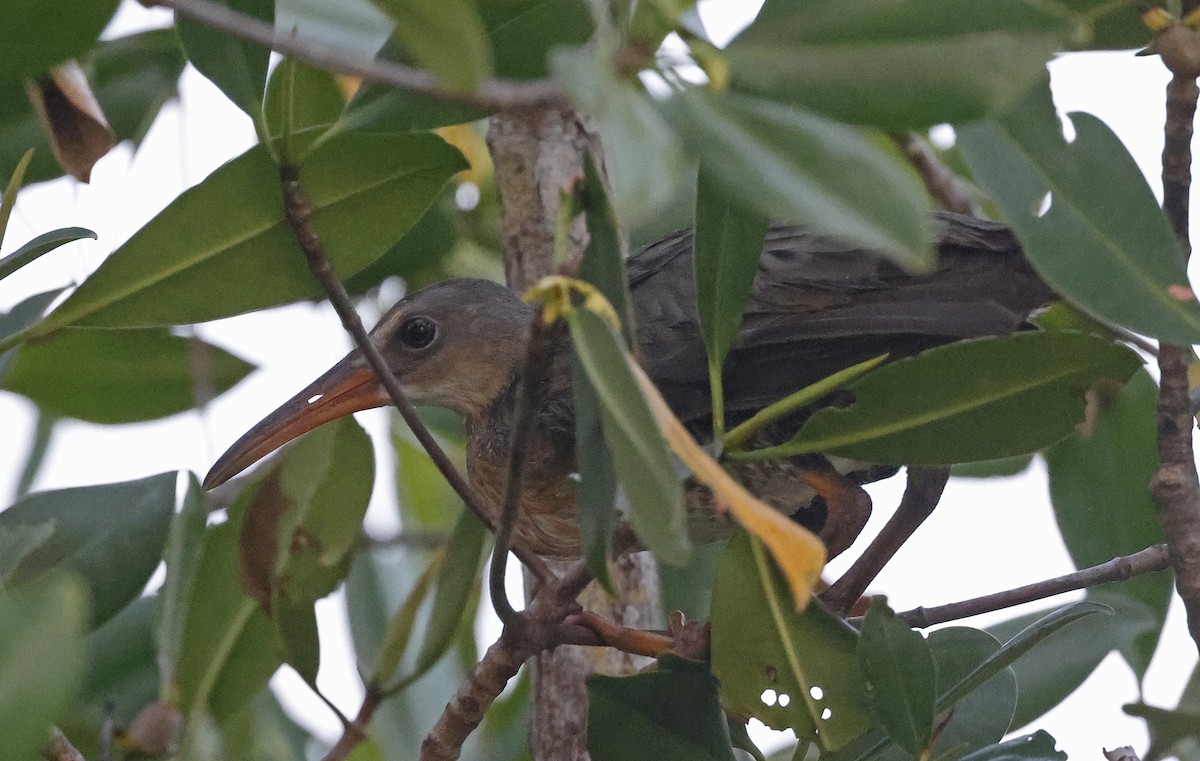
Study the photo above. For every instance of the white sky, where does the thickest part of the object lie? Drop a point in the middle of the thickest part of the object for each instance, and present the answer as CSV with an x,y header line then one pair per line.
x,y
946,561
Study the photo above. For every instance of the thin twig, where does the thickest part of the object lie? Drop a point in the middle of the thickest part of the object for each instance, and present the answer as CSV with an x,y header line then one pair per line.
x,y
531,385
942,185
298,210
491,95
60,748
921,494
1149,560
356,731
1175,487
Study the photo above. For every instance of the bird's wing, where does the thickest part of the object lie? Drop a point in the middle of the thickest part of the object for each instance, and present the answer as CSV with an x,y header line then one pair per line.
x,y
820,305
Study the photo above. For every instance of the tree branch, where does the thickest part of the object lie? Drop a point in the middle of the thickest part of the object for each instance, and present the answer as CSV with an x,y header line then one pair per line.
x,y
356,731
1175,487
298,210
492,95
1149,560
942,185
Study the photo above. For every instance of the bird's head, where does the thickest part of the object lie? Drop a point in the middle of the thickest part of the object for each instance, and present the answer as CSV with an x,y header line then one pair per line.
x,y
455,344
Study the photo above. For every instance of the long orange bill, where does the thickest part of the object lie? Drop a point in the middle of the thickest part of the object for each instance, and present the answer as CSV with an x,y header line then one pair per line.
x,y
347,387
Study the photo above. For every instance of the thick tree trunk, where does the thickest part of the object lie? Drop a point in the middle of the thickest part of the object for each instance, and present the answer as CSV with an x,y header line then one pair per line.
x,y
538,154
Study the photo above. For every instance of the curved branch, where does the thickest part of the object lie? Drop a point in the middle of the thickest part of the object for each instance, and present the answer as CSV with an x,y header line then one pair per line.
x,y
491,95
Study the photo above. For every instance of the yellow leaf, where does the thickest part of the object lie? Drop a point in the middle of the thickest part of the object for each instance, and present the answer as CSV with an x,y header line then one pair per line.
x,y
797,551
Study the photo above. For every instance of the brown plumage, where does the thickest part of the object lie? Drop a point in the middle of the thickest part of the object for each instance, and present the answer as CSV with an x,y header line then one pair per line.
x,y
818,306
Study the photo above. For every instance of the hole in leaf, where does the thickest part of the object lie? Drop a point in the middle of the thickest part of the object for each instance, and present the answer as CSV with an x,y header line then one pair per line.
x,y
816,692
784,699
768,697
1044,206
826,714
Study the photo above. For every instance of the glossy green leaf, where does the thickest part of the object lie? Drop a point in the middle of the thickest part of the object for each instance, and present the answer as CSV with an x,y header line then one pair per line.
x,y
223,247
808,657
230,648
901,678
9,198
796,166
131,376
302,102
445,36
1024,641
456,583
422,256
41,659
20,317
1056,667
643,463
120,677
929,409
42,244
644,161
1038,746
302,523
655,716
727,242
603,266
183,555
32,44
17,542
1086,218
1098,488
237,67
978,720
896,64
112,536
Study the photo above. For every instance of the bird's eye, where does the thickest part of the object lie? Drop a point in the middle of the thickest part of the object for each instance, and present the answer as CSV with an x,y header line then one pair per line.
x,y
418,332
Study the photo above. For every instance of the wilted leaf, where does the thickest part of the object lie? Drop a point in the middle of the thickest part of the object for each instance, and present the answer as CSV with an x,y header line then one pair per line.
x,y
929,409
1086,218
130,376
896,65
112,536
71,117
807,660
799,167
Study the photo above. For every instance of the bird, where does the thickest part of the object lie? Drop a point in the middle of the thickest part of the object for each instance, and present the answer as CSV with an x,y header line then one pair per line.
x,y
819,304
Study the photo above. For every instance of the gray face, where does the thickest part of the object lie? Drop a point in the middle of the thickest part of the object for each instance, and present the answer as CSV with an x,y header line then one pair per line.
x,y
455,344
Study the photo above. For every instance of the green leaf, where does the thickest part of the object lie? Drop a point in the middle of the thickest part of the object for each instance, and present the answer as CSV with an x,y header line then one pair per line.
x,y
901,677
33,43
1038,746
42,244
237,67
112,536
21,317
1168,729
1104,510
1103,243
132,375
445,36
808,657
929,409
422,256
400,627
999,468
9,198
796,166
223,247
689,588
264,732
643,158
302,103
457,582
1023,642
656,716
643,463
17,542
426,501
229,648
1112,25
1055,668
183,555
133,77
303,521
897,65
41,659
